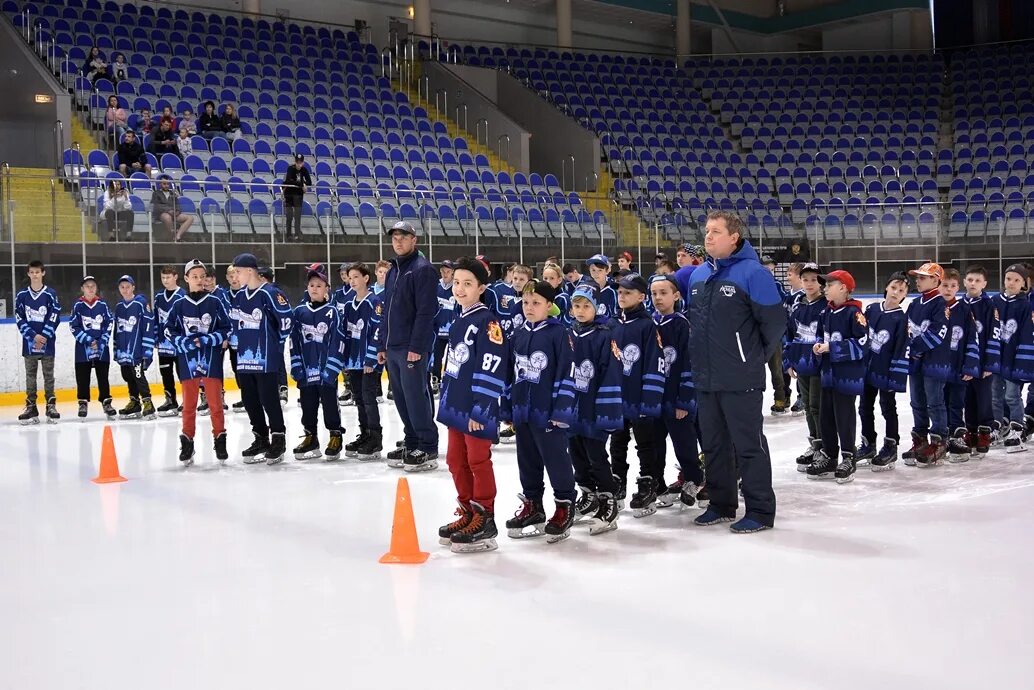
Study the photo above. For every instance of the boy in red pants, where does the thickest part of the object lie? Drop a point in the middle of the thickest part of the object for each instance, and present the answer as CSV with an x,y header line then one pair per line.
x,y
472,382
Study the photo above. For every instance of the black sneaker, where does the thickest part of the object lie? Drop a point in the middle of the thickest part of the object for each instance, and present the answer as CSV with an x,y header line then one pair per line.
x,y
419,461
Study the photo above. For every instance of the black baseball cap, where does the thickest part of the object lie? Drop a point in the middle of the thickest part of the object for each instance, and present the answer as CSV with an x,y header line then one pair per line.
x,y
541,287
634,281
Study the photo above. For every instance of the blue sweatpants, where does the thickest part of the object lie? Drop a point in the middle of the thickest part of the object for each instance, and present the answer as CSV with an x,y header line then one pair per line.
x,y
544,449
684,441
413,400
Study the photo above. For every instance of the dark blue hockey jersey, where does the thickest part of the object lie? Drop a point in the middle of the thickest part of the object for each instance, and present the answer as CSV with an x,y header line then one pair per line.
x,y
341,297
91,327
929,345
359,345
983,311
963,342
845,330
886,364
163,301
589,401
507,306
474,373
607,303
537,354
261,321
315,344
805,330
37,313
197,327
563,303
446,310
1015,334
642,364
134,332
678,372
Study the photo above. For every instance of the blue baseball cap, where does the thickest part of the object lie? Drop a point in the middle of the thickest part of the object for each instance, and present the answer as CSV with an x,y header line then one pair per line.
x,y
245,261
598,260
127,279
586,292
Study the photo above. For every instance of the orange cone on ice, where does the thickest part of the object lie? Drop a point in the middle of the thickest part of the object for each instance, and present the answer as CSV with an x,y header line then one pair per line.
x,y
109,463
405,547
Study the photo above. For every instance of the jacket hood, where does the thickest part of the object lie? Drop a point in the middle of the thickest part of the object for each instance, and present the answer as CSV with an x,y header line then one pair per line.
x,y
851,302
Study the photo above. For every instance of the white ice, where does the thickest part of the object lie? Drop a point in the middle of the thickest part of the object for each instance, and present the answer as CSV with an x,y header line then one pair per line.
x,y
267,577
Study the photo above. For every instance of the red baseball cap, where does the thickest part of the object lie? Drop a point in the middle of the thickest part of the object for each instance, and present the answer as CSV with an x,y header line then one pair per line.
x,y
843,276
628,255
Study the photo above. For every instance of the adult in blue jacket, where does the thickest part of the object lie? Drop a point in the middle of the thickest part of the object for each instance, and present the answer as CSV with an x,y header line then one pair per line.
x,y
737,320
405,341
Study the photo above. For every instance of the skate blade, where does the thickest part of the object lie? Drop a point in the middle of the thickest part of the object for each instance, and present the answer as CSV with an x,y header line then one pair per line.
x,y
332,458
188,462
348,403
275,461
884,468
351,454
508,440
601,527
396,464
556,538
148,418
203,414
802,468
824,475
537,530
485,545
444,541
239,410
369,457
1014,449
644,512
845,480
309,455
168,413
666,503
958,459
29,422
423,467
53,421
253,460
797,414
584,519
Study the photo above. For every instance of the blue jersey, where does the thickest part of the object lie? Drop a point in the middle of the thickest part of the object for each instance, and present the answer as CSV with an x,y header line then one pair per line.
x,y
37,313
362,321
377,288
678,370
163,301
134,332
91,327
983,310
846,332
507,304
563,303
446,310
474,373
886,364
1014,334
538,352
341,297
197,327
589,400
964,344
606,303
261,321
928,346
804,331
315,344
642,364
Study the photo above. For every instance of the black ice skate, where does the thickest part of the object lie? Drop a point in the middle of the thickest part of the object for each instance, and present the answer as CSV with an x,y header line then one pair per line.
x,y
670,495
30,415
445,532
886,458
703,498
797,410
419,461
644,500
52,414
958,446
807,457
333,449
688,495
131,411
109,411
823,467
865,453
352,447
559,526
397,457
256,452
479,534
780,409
147,410
507,434
606,517
844,472
277,449
220,448
186,450
283,395
530,516
919,444
83,409
202,407
933,453
587,505
620,493
309,448
238,407
371,448
170,408
1014,441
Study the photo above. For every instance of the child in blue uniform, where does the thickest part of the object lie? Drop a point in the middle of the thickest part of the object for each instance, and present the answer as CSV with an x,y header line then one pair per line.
x,y
552,275
842,352
979,412
36,313
589,406
443,319
930,367
511,317
642,390
197,326
90,324
1013,332
965,364
359,355
262,324
475,372
134,348
886,373
607,298
316,363
341,297
170,293
804,331
538,352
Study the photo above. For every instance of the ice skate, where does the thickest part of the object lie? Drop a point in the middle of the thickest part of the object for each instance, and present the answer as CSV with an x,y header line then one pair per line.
x,y
371,449
999,430
688,495
109,411
283,395
445,532
147,410
219,444
309,448
866,452
983,443
620,493
1014,441
933,453
277,449
808,456
606,516
202,406
797,410
170,408
919,443
644,500
780,409
844,472
507,434
559,526
30,415
352,447
186,450
528,521
52,414
670,495
823,467
419,461
83,410
131,411
479,533
333,450
256,452
238,407
886,458
586,506
958,446
397,457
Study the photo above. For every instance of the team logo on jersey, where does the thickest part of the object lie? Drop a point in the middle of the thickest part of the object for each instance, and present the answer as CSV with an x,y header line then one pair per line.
x,y
495,332
956,337
193,324
727,290
601,310
917,329
127,325
629,356
314,334
377,310
249,322
877,339
35,315
835,337
518,320
807,332
93,323
458,356
583,375
163,316
530,368
281,300
355,329
860,318
1009,329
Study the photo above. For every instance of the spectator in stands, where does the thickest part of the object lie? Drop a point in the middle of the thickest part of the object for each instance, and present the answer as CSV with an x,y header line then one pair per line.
x,y
164,140
96,66
187,121
209,124
116,121
118,210
119,69
231,123
184,145
145,123
165,209
296,184
168,116
131,156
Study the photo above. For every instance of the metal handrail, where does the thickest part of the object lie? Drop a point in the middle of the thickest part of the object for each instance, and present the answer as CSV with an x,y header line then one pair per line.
x,y
477,131
465,122
424,93
499,148
563,171
445,103
386,53
59,144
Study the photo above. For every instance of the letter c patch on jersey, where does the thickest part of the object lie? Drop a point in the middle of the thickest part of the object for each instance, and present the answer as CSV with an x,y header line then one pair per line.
x,y
495,332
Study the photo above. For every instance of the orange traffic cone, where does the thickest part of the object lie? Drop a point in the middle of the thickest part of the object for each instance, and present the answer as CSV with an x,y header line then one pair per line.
x,y
109,463
405,547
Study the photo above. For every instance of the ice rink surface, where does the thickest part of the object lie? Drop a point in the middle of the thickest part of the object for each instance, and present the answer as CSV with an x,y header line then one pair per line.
x,y
267,577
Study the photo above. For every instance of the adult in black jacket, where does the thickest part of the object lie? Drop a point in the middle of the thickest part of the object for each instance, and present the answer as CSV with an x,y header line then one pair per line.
x,y
164,140
737,322
296,183
404,343
131,156
209,125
